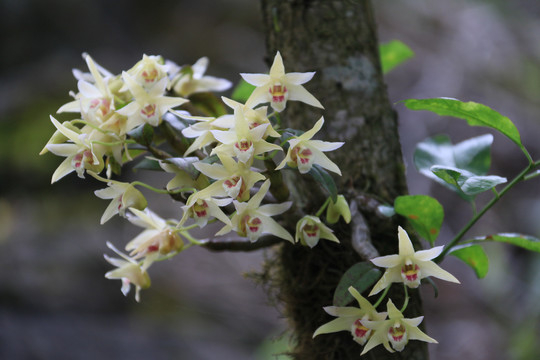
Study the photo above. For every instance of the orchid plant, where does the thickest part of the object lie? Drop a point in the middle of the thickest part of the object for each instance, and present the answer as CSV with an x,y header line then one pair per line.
x,y
165,117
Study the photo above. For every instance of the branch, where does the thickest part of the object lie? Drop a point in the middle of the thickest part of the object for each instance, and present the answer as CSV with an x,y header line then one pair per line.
x,y
236,244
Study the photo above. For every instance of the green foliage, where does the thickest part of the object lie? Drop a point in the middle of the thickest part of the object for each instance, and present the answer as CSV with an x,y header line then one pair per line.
x,y
466,181
185,164
474,256
360,276
148,163
208,103
143,134
327,182
474,113
524,241
242,91
423,212
393,53
461,167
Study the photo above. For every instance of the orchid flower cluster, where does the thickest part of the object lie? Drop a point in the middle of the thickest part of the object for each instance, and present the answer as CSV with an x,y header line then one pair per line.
x,y
391,329
218,178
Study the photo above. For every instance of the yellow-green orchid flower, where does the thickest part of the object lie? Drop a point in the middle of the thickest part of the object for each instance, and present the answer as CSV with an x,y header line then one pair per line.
x,y
395,332
304,152
242,141
129,271
253,219
147,106
234,179
310,229
352,318
277,87
186,84
80,155
124,196
409,267
94,100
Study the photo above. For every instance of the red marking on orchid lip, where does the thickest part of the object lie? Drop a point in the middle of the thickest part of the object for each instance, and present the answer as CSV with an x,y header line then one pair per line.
x,y
201,213
278,93
153,248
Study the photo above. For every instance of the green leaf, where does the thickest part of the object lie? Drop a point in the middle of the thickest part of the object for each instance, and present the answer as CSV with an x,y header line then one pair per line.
x,y
148,164
208,103
474,113
242,91
475,257
185,164
143,134
524,241
360,276
466,181
327,182
452,165
423,212
394,53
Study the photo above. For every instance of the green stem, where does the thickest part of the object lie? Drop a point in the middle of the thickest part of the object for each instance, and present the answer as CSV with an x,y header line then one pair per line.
x,y
381,298
406,302
115,143
191,239
489,205
323,207
162,191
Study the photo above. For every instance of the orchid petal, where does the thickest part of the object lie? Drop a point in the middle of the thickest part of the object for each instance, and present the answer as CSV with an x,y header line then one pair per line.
x,y
299,93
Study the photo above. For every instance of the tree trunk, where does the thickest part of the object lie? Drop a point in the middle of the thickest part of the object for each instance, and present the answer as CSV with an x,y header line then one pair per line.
x,y
338,40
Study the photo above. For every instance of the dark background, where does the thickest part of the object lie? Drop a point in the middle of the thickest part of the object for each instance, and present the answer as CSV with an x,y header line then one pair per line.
x,y
55,302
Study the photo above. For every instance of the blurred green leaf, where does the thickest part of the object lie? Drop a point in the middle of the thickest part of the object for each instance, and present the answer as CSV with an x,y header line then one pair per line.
x,y
325,179
460,167
474,113
524,241
394,53
466,181
208,103
423,212
475,257
242,91
143,134
360,276
148,164
185,164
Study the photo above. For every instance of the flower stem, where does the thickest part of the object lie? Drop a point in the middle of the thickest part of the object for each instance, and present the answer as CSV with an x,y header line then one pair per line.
x,y
324,206
381,298
406,302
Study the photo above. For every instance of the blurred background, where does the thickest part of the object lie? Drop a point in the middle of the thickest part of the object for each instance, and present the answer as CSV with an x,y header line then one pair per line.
x,y
55,302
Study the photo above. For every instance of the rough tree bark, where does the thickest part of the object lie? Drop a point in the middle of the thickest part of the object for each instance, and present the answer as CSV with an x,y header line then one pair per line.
x,y
338,40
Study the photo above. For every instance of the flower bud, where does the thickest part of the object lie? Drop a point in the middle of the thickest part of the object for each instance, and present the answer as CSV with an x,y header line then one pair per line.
x,y
337,209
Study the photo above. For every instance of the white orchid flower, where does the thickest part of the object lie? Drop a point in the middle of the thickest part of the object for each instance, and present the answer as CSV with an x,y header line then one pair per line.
x,y
277,87
186,84
243,142
310,229
129,271
304,152
147,107
409,267
395,332
352,318
253,219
